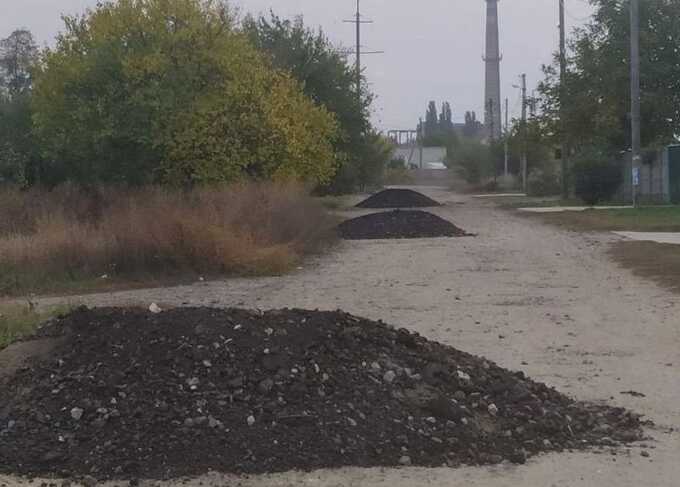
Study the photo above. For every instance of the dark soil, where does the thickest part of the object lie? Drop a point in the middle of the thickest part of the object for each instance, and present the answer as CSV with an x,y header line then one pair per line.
x,y
398,198
398,224
130,394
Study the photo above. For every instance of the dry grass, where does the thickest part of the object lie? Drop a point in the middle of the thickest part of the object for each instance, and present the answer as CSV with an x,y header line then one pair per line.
x,y
51,240
659,262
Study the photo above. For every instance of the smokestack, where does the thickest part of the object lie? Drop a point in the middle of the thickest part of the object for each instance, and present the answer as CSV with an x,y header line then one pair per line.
x,y
492,92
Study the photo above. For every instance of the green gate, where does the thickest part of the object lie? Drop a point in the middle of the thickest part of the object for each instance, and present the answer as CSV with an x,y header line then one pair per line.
x,y
674,173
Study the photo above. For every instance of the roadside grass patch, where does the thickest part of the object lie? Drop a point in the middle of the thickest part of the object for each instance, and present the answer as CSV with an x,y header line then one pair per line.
x,y
656,261
645,219
74,239
19,320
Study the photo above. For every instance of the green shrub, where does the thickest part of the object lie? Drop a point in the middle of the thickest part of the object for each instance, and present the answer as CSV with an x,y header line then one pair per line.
x,y
397,176
543,182
472,160
597,177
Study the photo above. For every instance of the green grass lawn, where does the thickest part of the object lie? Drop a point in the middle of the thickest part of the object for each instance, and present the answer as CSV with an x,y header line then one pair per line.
x,y
19,320
645,219
542,202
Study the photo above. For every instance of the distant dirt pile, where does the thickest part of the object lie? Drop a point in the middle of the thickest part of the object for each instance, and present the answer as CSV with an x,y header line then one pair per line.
x,y
398,198
398,224
130,394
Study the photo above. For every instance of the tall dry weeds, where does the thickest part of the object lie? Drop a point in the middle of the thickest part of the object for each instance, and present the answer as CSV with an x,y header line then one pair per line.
x,y
70,234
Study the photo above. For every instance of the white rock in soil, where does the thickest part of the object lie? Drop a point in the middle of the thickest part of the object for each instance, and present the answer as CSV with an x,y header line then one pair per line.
x,y
251,420
389,376
463,376
77,413
493,409
155,309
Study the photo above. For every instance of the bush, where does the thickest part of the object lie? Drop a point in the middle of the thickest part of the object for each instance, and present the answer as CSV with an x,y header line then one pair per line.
x,y
544,182
597,177
153,232
472,161
150,91
397,176
397,163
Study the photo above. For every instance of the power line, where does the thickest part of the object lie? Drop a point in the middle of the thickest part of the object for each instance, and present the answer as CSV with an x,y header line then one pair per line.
x,y
358,22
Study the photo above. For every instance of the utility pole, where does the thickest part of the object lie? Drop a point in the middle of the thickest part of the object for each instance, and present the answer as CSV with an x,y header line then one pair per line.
x,y
507,136
563,99
421,130
635,92
524,133
358,53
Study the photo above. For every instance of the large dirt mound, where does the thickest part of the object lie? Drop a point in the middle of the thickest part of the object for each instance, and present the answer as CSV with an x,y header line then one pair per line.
x,y
398,224
132,394
398,198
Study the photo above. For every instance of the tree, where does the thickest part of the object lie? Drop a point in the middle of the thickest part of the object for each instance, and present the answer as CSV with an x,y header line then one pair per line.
x,y
18,154
329,80
431,128
597,85
472,125
139,91
18,54
446,119
438,130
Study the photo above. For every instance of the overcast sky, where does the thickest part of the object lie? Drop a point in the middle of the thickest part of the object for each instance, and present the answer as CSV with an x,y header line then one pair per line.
x,y
433,48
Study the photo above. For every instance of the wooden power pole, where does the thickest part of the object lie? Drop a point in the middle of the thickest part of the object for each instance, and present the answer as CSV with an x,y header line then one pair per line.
x,y
635,92
507,136
524,133
563,100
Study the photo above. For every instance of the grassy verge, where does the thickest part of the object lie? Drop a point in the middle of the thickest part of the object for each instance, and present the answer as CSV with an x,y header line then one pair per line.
x,y
70,240
18,320
655,261
535,202
651,219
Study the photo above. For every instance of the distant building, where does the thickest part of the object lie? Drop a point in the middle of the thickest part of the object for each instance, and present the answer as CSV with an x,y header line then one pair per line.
x,y
432,157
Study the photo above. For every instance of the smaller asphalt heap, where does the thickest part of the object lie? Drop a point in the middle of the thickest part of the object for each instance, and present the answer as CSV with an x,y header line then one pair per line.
x,y
131,394
398,198
398,224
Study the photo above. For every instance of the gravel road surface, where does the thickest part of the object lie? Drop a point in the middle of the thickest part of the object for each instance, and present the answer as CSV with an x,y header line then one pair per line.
x,y
526,295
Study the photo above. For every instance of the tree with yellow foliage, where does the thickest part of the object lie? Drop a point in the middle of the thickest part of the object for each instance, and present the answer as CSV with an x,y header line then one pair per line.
x,y
140,91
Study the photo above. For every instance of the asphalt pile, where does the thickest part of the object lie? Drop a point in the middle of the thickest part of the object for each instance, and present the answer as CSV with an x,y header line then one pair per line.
x,y
398,224
131,394
398,198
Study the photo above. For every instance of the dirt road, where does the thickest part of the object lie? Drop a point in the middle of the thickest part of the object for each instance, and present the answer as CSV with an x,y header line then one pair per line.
x,y
523,294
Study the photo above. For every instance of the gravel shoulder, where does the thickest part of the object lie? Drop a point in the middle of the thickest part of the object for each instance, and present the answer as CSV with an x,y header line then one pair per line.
x,y
524,294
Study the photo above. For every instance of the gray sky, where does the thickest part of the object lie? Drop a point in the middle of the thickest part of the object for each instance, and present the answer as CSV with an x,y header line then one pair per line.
x,y
433,47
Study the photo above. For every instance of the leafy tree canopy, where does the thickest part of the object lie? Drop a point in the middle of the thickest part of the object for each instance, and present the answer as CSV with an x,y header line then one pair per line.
x,y
597,102
328,79
169,90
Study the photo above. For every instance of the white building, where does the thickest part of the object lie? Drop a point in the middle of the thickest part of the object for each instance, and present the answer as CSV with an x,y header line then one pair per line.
x,y
432,157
